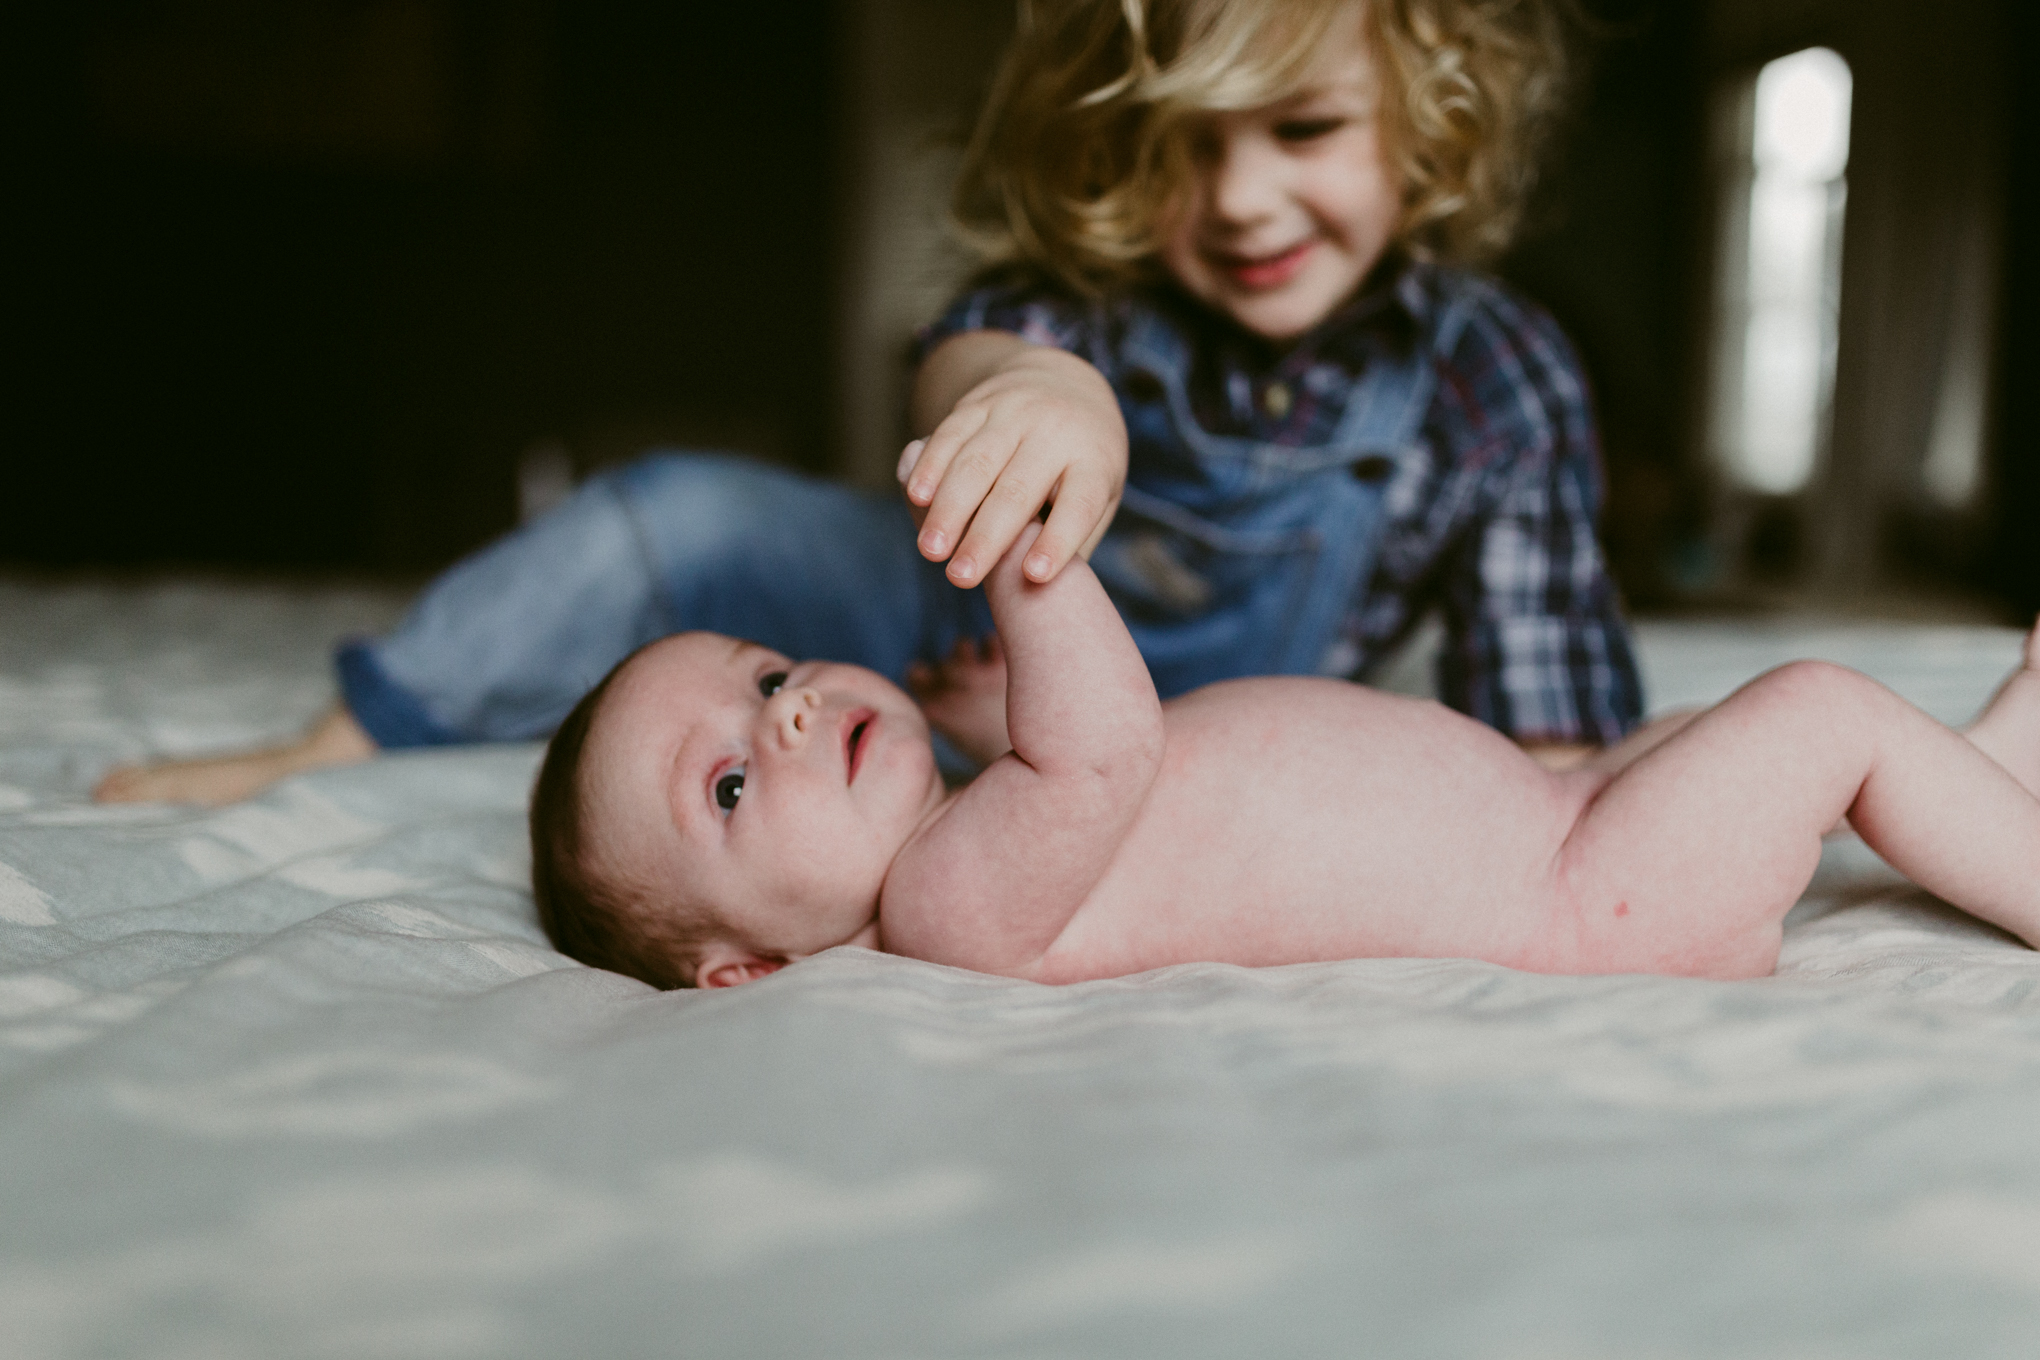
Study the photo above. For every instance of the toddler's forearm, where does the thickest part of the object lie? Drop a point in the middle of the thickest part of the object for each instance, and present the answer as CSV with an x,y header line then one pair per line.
x,y
952,369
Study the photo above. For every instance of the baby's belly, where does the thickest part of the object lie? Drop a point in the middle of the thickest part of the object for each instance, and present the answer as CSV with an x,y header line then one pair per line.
x,y
1302,820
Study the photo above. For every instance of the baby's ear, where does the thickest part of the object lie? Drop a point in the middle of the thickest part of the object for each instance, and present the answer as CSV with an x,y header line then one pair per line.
x,y
725,965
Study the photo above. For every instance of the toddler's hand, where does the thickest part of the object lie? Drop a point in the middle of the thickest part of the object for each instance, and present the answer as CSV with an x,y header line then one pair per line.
x,y
1044,428
965,697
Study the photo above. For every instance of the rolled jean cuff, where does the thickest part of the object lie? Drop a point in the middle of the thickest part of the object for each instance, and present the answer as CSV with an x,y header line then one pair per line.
x,y
389,715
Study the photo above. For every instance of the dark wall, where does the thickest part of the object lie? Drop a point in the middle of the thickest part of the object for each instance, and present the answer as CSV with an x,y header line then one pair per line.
x,y
296,284
2015,556
1611,248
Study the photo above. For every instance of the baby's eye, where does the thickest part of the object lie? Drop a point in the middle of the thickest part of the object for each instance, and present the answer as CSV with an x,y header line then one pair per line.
x,y
1307,129
729,788
771,683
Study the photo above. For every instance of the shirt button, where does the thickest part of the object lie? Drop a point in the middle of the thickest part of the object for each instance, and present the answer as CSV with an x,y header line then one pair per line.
x,y
1277,399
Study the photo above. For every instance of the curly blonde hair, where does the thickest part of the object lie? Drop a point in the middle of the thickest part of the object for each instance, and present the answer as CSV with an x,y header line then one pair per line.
x,y
1083,139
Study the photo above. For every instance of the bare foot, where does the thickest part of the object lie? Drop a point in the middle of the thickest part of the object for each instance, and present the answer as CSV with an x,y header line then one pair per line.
x,y
336,739
2009,730
965,697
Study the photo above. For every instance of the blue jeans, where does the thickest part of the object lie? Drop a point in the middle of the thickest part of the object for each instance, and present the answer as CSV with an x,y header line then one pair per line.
x,y
1227,558
503,644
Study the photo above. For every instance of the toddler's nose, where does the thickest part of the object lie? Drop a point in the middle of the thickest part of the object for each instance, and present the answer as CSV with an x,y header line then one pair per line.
x,y
1242,177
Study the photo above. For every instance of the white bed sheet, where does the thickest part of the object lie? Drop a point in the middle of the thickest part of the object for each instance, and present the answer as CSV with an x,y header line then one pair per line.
x,y
301,1078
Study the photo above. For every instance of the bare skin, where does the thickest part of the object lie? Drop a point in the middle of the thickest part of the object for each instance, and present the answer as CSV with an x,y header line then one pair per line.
x,y
1286,820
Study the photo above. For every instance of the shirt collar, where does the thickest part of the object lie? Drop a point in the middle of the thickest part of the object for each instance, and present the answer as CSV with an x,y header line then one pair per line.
x,y
1393,304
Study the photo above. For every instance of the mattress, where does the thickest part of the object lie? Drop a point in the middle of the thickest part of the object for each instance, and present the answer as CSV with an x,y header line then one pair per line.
x,y
301,1077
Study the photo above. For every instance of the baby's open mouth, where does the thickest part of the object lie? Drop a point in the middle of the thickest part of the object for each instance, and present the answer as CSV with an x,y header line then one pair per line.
x,y
853,742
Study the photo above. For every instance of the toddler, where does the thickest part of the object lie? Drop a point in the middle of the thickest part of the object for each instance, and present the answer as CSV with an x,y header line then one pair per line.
x,y
714,811
1229,336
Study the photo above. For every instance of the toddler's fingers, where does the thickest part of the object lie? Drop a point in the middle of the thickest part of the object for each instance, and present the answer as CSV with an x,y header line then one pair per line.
x,y
1009,506
964,496
908,458
1082,512
941,445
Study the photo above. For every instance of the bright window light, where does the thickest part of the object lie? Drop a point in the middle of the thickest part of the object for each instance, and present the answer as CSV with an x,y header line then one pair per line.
x,y
1776,362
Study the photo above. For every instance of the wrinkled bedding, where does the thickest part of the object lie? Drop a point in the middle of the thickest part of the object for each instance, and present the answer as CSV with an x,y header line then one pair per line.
x,y
302,1078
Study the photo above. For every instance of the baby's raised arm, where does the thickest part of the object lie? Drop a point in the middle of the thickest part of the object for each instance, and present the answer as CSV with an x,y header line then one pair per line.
x,y
991,883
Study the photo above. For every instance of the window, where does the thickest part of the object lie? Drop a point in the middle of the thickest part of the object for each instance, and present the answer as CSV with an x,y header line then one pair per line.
x,y
1784,147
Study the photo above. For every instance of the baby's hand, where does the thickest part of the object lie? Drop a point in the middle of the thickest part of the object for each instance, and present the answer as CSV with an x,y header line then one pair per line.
x,y
1043,428
965,697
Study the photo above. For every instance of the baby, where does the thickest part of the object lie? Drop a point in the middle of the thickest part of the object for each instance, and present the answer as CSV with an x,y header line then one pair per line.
x,y
714,811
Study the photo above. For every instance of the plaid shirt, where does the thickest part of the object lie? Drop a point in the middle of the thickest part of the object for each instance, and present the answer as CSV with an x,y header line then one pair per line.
x,y
1497,528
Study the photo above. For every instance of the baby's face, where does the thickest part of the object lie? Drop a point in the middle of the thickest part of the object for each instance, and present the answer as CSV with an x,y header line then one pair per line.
x,y
1291,205
777,792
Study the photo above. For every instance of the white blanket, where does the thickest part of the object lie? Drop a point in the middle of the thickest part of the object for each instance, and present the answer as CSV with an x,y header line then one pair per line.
x,y
302,1078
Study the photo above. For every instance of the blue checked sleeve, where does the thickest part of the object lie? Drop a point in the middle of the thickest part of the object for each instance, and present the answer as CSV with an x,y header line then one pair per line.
x,y
1536,645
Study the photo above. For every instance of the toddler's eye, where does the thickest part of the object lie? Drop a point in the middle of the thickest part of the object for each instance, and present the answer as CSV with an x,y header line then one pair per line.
x,y
729,788
771,683
1307,129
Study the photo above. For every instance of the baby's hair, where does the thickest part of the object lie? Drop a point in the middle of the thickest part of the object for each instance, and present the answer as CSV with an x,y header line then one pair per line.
x,y
584,917
1083,142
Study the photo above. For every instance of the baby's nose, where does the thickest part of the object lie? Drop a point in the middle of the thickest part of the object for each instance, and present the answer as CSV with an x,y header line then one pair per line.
x,y
799,715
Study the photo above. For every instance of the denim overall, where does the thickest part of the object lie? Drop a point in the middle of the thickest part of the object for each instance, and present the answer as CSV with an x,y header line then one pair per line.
x,y
1231,557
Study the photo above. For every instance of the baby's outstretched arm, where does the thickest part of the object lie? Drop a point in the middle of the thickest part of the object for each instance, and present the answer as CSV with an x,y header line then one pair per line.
x,y
991,883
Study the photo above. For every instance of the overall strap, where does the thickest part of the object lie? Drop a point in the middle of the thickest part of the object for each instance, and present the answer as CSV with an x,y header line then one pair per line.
x,y
1376,442
1386,412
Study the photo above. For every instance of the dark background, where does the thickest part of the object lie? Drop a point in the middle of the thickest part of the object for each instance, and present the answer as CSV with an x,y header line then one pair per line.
x,y
2014,560
326,348
294,287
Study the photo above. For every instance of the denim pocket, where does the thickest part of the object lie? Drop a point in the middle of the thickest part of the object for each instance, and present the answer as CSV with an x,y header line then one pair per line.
x,y
1165,564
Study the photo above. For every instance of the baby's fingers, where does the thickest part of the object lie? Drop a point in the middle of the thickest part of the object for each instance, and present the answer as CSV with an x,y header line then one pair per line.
x,y
910,456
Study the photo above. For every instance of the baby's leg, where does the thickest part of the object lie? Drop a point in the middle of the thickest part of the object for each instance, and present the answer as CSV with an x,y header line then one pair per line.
x,y
1687,860
2009,730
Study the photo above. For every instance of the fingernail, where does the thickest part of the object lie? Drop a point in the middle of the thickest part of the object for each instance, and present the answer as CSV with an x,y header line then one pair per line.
x,y
963,569
920,493
909,458
934,542
1038,566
